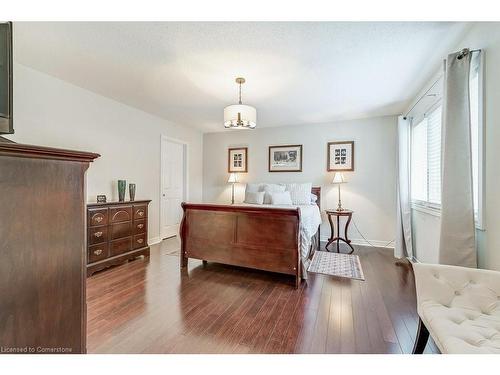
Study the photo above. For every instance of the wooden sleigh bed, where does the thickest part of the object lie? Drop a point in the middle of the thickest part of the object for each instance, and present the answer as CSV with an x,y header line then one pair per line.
x,y
255,237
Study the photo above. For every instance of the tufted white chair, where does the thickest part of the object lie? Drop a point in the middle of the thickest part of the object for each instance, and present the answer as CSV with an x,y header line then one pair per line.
x,y
459,307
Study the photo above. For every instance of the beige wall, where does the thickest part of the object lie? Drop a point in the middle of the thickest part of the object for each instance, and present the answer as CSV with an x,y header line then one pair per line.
x,y
371,188
51,112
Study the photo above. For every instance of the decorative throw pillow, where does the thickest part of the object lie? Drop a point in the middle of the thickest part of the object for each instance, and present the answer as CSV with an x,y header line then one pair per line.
x,y
314,198
254,197
300,192
271,188
281,198
253,188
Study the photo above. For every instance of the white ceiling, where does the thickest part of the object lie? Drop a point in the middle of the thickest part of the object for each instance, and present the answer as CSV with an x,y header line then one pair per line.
x,y
296,72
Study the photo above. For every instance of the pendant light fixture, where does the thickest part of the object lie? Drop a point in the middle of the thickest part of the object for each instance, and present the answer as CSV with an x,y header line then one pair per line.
x,y
240,116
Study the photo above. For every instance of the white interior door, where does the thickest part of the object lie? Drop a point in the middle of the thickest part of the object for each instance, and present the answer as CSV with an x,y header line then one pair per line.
x,y
173,185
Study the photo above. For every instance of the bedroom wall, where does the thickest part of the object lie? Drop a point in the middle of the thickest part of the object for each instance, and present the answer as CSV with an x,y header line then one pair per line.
x,y
487,37
370,190
51,112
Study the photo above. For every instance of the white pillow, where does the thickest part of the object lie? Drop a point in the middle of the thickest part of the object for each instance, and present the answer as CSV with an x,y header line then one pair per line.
x,y
281,198
314,198
300,193
256,197
253,188
271,188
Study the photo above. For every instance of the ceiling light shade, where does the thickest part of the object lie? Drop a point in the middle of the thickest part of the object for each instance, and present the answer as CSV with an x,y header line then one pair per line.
x,y
240,116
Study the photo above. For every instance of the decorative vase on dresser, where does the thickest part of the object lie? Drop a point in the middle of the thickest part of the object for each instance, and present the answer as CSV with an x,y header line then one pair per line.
x,y
42,231
131,191
116,232
122,184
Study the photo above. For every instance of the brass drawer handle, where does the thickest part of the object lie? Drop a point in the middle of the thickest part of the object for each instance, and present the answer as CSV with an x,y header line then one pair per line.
x,y
98,234
140,240
99,219
140,226
140,213
98,252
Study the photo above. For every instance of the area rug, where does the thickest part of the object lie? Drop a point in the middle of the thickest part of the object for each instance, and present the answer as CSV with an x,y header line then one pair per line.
x,y
337,264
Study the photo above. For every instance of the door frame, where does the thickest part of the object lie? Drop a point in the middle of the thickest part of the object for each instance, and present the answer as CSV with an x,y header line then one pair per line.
x,y
185,173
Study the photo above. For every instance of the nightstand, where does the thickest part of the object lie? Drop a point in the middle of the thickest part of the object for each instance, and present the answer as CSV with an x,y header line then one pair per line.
x,y
333,238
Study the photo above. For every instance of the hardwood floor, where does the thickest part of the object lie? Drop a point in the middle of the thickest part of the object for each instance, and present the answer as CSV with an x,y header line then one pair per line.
x,y
150,306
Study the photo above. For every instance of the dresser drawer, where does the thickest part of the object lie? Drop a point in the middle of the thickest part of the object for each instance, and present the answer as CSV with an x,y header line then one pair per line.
x,y
140,241
119,214
121,246
121,230
116,232
98,235
140,226
97,216
140,211
97,252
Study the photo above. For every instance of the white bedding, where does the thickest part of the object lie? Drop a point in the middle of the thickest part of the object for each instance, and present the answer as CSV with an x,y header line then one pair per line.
x,y
310,219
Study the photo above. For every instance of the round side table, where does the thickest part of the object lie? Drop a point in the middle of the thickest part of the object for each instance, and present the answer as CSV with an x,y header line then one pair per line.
x,y
333,238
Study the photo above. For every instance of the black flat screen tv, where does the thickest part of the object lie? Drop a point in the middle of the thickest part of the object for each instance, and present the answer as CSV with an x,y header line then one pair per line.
x,y
6,123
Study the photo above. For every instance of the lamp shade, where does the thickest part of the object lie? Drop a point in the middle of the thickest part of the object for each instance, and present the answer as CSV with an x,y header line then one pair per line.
x,y
240,116
233,177
338,178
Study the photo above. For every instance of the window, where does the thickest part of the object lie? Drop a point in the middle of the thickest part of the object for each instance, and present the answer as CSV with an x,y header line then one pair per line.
x,y
426,160
426,149
419,161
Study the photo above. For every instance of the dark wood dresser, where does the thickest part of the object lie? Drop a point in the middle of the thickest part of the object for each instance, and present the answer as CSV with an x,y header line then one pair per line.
x,y
42,249
116,232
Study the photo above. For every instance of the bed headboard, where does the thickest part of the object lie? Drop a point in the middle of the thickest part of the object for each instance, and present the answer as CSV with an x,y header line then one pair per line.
x,y
316,190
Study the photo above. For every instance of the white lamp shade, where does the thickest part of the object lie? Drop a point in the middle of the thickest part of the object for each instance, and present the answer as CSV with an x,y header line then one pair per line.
x,y
233,177
338,178
240,116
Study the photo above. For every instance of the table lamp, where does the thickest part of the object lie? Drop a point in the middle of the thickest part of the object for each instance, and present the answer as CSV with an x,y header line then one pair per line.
x,y
338,179
233,178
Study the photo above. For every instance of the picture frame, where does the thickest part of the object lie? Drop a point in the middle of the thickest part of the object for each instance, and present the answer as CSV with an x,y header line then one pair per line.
x,y
101,199
340,156
285,158
237,160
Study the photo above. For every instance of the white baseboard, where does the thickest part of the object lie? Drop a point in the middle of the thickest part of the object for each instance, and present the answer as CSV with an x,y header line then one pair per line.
x,y
154,240
362,242
354,241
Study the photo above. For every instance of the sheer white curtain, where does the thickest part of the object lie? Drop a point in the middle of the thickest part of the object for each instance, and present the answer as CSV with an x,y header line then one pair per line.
x,y
457,239
403,246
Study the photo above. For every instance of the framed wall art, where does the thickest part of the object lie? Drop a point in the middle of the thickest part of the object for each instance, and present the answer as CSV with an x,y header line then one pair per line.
x,y
340,156
237,160
101,199
287,158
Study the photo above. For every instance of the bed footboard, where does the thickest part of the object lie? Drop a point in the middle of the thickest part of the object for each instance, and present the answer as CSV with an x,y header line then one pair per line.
x,y
254,237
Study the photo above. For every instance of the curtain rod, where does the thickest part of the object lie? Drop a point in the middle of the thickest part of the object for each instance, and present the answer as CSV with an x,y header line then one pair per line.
x,y
466,51
463,53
